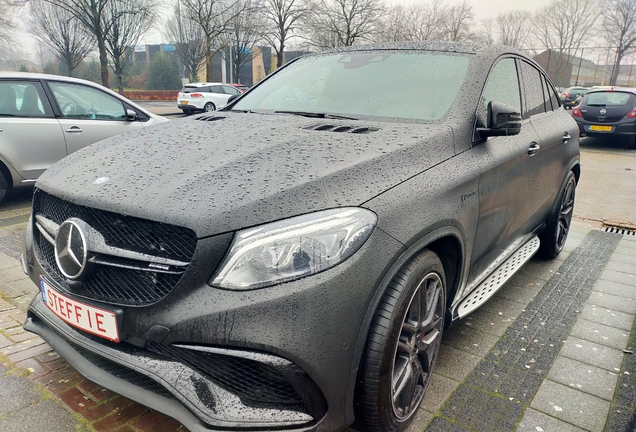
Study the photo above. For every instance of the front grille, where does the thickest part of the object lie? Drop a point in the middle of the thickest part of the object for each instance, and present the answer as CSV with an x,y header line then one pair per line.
x,y
250,380
109,284
123,372
127,232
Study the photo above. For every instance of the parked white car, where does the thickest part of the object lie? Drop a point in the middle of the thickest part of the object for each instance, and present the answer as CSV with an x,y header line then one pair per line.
x,y
43,118
204,96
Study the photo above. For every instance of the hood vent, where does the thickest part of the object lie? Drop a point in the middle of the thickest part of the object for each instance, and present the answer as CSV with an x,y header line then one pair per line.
x,y
341,128
210,118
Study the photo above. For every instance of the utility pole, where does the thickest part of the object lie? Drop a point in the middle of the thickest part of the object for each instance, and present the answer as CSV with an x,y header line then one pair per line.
x,y
606,64
579,69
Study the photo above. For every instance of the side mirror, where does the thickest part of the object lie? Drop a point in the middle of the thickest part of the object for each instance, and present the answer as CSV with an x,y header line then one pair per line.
x,y
131,115
234,97
503,120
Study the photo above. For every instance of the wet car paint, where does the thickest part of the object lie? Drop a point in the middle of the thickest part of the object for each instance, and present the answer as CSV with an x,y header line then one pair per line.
x,y
236,170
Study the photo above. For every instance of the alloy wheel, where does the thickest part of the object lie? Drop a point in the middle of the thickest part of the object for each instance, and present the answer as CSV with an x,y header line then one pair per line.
x,y
417,347
565,214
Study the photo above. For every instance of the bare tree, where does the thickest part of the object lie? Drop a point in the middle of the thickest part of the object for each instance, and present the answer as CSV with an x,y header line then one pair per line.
x,y
457,21
215,18
61,32
92,14
426,20
129,21
335,23
248,28
189,41
419,21
486,35
513,28
13,58
619,28
564,26
393,25
281,17
7,26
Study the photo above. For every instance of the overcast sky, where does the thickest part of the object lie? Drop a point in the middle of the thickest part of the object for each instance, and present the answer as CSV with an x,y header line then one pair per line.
x,y
482,9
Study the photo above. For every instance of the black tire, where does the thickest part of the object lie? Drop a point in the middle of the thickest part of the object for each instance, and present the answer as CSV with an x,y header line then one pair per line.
x,y
188,111
209,107
4,187
402,346
558,225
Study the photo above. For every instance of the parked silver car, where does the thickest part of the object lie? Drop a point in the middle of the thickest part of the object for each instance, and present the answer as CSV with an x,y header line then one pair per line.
x,y
43,118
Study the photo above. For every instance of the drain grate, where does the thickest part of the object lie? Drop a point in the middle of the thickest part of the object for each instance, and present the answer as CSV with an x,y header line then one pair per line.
x,y
619,230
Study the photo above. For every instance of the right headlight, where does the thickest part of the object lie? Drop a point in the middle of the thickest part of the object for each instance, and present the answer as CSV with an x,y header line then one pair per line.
x,y
293,248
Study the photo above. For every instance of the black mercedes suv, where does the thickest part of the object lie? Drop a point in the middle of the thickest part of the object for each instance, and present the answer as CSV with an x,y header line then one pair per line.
x,y
290,262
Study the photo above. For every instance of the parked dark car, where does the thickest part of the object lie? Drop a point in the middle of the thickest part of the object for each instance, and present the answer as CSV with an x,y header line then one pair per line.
x,y
606,112
241,87
570,96
291,261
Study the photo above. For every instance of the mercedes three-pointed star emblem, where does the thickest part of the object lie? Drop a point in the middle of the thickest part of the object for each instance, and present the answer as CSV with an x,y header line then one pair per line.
x,y
71,251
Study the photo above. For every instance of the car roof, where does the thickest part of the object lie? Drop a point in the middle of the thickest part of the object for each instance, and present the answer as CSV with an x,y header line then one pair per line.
x,y
33,75
202,84
613,89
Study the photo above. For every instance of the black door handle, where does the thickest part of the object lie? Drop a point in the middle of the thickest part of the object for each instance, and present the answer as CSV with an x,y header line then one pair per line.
x,y
534,147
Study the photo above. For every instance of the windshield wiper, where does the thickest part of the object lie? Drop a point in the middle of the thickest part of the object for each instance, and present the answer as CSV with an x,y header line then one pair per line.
x,y
316,115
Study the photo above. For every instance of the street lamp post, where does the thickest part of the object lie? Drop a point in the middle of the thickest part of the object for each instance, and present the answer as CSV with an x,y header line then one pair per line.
x,y
229,31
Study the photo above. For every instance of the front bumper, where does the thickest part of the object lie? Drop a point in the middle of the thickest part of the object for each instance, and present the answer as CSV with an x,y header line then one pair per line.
x,y
306,331
161,383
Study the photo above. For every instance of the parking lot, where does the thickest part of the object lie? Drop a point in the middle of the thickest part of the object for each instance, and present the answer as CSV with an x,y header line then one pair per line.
x,y
550,352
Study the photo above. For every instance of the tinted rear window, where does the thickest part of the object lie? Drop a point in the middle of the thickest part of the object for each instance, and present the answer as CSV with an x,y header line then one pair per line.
x,y
610,98
189,89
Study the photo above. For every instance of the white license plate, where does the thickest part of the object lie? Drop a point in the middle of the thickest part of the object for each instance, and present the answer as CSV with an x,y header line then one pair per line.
x,y
97,321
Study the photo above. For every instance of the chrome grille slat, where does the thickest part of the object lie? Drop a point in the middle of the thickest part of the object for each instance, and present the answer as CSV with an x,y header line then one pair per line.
x,y
138,276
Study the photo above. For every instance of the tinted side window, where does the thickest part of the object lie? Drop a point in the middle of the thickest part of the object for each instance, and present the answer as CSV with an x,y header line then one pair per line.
x,y
553,97
502,86
23,99
82,102
217,89
231,90
533,90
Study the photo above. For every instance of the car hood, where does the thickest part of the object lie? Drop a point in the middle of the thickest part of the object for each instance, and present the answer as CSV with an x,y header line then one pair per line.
x,y
236,170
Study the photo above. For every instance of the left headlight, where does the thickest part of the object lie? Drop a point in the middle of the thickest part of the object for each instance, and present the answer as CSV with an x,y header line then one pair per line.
x,y
293,248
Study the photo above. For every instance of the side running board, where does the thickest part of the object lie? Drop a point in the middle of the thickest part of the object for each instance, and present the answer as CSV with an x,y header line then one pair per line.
x,y
498,278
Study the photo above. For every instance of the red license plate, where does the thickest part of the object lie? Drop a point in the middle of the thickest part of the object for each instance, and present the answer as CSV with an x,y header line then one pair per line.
x,y
97,321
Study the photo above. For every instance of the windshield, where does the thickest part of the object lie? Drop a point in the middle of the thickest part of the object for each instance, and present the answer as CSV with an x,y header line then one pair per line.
x,y
411,85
